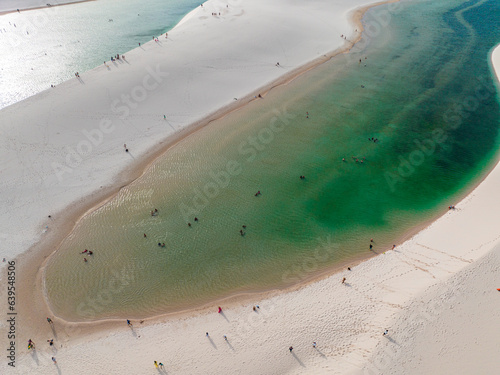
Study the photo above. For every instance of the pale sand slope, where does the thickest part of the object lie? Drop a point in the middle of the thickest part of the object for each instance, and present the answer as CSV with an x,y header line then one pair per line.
x,y
65,143
453,327
428,279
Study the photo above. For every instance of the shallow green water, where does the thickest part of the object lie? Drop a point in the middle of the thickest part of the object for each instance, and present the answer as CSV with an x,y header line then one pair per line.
x,y
425,91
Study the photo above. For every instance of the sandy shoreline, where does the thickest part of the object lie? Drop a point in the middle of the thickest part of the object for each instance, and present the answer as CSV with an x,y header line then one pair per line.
x,y
33,4
273,308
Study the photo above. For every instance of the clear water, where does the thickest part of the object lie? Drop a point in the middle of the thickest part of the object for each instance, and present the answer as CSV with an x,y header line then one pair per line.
x,y
42,47
425,91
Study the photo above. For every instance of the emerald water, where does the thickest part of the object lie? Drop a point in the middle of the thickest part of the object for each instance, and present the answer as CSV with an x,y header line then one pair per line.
x,y
424,89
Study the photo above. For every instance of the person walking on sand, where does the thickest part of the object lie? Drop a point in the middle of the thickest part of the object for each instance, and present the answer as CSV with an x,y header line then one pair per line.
x,y
314,344
161,365
386,332
220,309
50,321
156,364
54,360
290,348
343,280
129,323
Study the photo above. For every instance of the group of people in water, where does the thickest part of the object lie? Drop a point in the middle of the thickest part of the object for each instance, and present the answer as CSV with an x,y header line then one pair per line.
x,y
195,219
357,160
89,252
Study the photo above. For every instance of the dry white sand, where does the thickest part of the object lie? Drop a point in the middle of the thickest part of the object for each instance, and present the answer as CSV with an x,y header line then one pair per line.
x,y
392,291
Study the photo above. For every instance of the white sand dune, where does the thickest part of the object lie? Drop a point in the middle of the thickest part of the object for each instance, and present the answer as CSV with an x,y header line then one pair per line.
x,y
447,268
